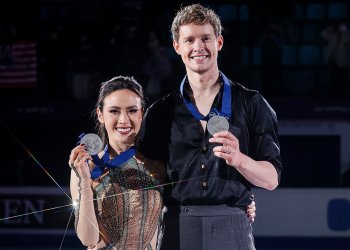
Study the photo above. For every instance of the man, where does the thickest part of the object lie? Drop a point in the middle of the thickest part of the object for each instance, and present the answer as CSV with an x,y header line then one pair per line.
x,y
211,163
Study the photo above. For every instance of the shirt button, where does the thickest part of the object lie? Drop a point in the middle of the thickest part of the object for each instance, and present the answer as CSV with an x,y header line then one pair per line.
x,y
203,167
205,185
204,149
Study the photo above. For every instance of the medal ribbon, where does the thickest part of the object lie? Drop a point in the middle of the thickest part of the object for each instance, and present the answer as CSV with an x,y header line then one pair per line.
x,y
225,102
106,162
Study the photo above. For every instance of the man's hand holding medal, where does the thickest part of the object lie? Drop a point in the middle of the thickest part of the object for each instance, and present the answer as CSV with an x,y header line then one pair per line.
x,y
229,150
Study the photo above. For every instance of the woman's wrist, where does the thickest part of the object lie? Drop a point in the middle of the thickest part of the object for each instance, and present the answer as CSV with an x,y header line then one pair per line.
x,y
85,185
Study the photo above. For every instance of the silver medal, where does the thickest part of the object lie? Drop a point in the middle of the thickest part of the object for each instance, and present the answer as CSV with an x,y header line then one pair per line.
x,y
92,143
217,124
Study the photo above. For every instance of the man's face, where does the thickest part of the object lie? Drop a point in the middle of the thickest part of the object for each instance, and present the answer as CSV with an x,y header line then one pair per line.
x,y
198,47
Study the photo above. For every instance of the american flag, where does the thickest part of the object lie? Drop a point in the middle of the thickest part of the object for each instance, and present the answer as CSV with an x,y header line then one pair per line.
x,y
18,64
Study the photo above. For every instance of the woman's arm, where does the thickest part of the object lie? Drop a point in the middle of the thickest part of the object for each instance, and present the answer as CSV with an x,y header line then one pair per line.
x,y
86,224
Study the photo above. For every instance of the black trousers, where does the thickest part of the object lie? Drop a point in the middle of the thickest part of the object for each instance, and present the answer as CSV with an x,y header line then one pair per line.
x,y
214,227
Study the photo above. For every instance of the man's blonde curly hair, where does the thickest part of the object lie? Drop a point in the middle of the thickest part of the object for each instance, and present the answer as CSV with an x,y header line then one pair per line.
x,y
198,15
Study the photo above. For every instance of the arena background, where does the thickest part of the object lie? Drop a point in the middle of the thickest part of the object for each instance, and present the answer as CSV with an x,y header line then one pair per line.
x,y
55,53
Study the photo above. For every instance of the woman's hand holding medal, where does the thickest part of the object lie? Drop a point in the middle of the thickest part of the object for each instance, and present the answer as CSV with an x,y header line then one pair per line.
x,y
90,144
78,161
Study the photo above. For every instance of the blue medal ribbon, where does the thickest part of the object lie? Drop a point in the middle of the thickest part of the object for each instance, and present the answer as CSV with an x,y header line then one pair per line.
x,y
225,102
105,162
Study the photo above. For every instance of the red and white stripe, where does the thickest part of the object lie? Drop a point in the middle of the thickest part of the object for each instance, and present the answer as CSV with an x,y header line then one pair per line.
x,y
21,68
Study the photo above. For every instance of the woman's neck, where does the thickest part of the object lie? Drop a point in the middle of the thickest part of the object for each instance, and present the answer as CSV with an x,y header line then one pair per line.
x,y
117,148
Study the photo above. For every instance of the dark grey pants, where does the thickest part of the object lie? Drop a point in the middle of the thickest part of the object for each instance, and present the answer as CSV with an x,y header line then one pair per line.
x,y
214,227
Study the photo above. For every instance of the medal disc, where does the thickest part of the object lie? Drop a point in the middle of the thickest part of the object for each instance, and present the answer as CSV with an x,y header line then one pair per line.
x,y
92,143
217,124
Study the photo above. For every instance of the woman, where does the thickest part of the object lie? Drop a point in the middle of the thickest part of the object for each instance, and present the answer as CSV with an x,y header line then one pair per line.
x,y
120,207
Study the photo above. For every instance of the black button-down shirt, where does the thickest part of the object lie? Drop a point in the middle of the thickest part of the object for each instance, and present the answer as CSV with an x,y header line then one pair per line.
x,y
195,175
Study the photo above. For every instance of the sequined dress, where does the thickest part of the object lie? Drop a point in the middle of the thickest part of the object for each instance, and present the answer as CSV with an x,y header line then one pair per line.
x,y
128,207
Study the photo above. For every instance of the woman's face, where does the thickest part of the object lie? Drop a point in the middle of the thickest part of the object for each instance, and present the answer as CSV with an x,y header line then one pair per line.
x,y
121,115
